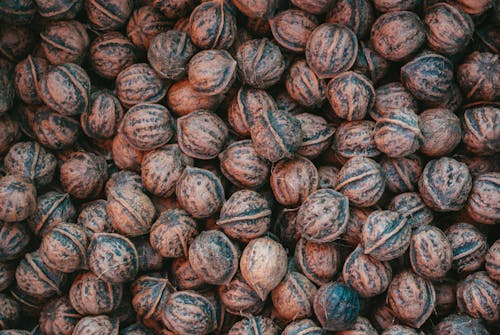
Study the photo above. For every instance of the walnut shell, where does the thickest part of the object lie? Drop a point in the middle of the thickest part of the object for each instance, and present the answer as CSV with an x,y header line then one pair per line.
x,y
402,174
212,72
108,14
130,211
205,257
18,11
391,98
413,207
397,35
263,265
58,9
365,274
445,184
478,76
15,239
173,9
123,178
149,259
362,326
446,297
17,198
125,156
184,276
145,23
317,135
53,130
10,312
455,324
384,317
336,306
7,274
147,126
256,9
479,296
355,139
357,15
370,64
319,262
362,181
327,176
386,235
52,208
138,84
481,130
302,327
475,7
208,17
412,298
238,298
101,119
27,74
83,175
9,133
441,131
291,28
493,261
110,54
182,99
400,330
469,246
58,317
323,61
357,218
8,91
94,325
64,42
304,86
482,206
254,325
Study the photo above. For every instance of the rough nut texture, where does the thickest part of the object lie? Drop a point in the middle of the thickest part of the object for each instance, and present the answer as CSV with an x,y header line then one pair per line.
x,y
336,306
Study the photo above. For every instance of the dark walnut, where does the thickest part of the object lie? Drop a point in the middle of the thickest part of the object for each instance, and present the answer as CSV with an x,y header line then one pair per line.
x,y
398,134
304,326
469,246
430,253
145,23
126,156
204,257
397,35
336,306
161,169
411,298
479,296
391,98
169,54
17,198
317,135
383,316
89,294
7,274
18,12
211,72
16,42
492,261
64,42
429,77
402,174
361,326
441,132
201,134
475,7
101,324
31,160
173,9
172,233
370,64
291,29
481,130
53,130
285,227
445,184
9,132
413,207
449,29
52,208
455,324
327,176
242,166
182,99
245,215
189,313
276,135
263,265
208,17
446,297
15,239
83,175
245,106
101,119
293,297
200,192
482,205
65,88
108,14
355,139
149,259
293,180
147,126
385,235
254,325
260,63
130,211
110,54
58,317
138,84
478,76
184,277
58,9
8,91
36,279
26,76
323,217
285,103
64,248
322,59
256,9
385,6
357,15
10,312
365,274
362,181
304,86
123,178
238,298
351,95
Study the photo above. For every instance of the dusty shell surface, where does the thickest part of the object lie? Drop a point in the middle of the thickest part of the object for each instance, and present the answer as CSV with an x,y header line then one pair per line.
x,y
319,262
413,206
251,325
304,86
460,325
182,99
110,54
482,205
336,306
402,174
64,42
239,298
53,130
441,132
212,72
101,324
263,265
355,138
469,246
139,83
101,119
412,298
479,296
83,175
478,76
58,316
291,29
51,209
17,198
212,16
481,130
108,15
145,23
357,15
27,75
391,98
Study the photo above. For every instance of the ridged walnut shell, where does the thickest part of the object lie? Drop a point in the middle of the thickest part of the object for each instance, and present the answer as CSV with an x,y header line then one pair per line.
x,y
324,61
15,237
492,263
19,12
430,253
336,306
357,15
357,218
319,262
481,130
90,295
52,208
291,29
483,205
17,198
27,74
209,17
391,98
263,265
139,83
108,14
304,86
125,156
101,119
402,174
478,76
93,325
254,325
412,298
479,296
370,64
445,184
211,72
182,99
317,135
385,235
361,327
83,175
354,139
145,23
110,54
239,298
441,132
455,324
64,42
58,317
413,207
469,246
183,275
53,130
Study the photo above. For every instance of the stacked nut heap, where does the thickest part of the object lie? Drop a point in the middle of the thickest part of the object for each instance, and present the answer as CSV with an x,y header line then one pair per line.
x,y
249,167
